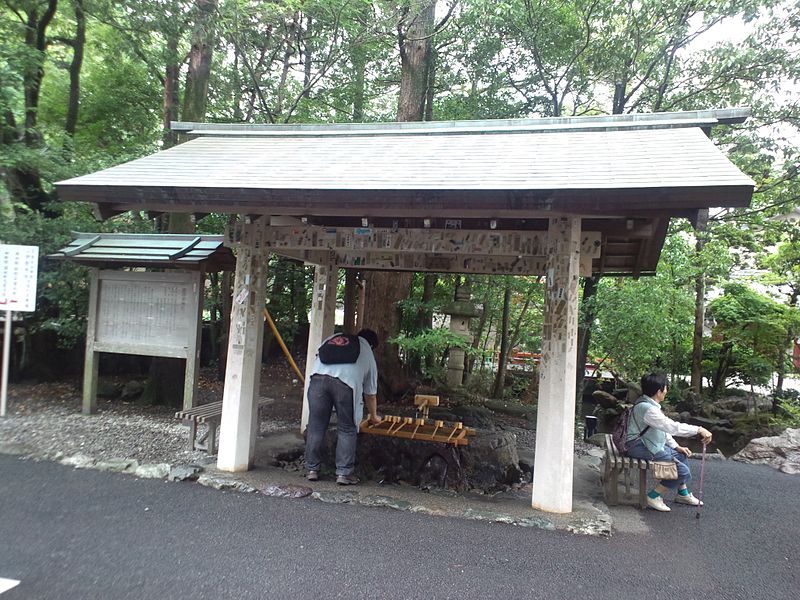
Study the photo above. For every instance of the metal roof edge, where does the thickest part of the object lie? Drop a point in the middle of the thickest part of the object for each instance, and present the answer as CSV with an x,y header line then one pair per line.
x,y
210,237
696,118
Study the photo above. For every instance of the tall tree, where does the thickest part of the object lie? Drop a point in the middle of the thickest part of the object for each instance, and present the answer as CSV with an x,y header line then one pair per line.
x,y
384,289
23,178
78,43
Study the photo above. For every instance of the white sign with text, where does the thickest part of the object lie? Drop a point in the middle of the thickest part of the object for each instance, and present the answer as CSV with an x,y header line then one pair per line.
x,y
19,266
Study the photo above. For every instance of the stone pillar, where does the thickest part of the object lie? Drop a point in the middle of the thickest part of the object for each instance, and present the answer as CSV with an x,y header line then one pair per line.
x,y
552,473
323,312
243,372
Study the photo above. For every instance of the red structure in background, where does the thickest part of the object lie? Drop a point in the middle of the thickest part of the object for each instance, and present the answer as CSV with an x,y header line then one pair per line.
x,y
796,354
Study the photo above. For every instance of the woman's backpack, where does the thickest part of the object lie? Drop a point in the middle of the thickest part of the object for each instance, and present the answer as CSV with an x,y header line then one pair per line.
x,y
620,434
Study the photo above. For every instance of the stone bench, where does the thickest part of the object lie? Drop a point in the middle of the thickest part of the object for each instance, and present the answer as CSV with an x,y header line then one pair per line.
x,y
615,465
210,415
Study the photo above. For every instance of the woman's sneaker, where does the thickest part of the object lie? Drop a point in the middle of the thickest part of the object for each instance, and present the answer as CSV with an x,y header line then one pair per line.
x,y
688,499
312,475
657,503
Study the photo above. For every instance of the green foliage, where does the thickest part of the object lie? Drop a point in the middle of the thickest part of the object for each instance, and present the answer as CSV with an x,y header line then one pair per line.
x,y
429,348
788,404
646,324
333,61
754,329
63,287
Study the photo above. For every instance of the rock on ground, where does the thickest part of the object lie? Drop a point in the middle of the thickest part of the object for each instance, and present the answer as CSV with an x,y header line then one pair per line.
x,y
780,451
489,463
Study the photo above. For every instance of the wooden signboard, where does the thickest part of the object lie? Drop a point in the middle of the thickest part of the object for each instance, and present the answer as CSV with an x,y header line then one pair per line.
x,y
152,314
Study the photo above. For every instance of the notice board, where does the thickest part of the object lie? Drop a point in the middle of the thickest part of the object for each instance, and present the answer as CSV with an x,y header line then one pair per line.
x,y
146,313
140,312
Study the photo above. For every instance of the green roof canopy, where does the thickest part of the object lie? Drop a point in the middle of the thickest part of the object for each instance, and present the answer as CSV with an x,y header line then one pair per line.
x,y
175,251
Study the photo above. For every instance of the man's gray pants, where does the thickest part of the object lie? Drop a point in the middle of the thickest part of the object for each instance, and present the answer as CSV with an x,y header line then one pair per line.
x,y
324,394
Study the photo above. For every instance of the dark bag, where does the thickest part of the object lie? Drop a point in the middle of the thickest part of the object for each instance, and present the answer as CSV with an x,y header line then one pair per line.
x,y
620,434
340,349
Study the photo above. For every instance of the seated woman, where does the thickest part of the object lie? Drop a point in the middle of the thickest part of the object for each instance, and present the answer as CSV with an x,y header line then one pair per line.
x,y
650,434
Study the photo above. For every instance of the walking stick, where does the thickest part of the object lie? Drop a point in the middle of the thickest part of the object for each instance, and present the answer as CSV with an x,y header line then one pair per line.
x,y
702,474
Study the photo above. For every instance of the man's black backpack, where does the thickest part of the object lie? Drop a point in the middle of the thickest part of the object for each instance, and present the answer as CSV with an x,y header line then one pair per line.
x,y
340,349
620,434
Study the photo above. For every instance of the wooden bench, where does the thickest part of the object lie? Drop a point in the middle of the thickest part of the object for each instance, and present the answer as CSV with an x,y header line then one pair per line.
x,y
210,415
616,465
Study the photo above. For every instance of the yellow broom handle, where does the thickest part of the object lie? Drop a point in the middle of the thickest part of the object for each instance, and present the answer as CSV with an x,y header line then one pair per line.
x,y
283,346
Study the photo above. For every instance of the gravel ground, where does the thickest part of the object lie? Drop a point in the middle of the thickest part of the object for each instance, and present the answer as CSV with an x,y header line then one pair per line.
x,y
44,420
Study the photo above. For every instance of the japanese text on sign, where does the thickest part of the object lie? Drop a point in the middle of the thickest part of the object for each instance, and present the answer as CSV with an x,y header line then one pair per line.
x,y
19,266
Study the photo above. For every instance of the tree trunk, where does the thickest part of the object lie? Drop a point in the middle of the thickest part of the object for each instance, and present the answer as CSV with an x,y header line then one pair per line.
x,y
782,355
165,376
75,68
308,55
585,332
23,180
171,102
6,207
195,96
425,316
514,339
385,290
721,374
350,300
414,33
226,301
696,381
500,380
476,340
430,79
359,60
35,39
382,314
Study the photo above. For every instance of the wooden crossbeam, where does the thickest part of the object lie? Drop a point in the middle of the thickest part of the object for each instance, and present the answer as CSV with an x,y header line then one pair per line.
x,y
518,243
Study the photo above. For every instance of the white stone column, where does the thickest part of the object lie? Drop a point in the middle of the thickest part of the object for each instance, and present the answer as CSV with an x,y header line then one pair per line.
x,y
323,312
239,424
555,425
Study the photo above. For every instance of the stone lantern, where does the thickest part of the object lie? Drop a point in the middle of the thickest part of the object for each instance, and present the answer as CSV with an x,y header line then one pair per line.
x,y
460,311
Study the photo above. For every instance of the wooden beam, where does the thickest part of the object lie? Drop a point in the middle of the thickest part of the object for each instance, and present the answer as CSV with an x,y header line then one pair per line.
x,y
428,241
91,359
532,265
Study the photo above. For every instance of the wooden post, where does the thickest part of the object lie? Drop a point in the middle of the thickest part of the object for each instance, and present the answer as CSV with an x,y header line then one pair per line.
x,y
193,349
552,473
323,311
239,423
91,358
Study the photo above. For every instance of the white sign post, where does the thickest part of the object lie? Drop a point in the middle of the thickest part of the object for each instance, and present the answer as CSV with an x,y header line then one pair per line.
x,y
19,266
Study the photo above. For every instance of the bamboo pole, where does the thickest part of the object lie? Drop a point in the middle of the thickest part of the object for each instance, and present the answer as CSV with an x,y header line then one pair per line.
x,y
283,346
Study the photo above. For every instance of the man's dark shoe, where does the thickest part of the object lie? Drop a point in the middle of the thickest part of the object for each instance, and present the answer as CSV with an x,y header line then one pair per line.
x,y
312,476
347,479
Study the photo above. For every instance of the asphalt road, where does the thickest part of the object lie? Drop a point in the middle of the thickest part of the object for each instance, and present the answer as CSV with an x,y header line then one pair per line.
x,y
69,534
